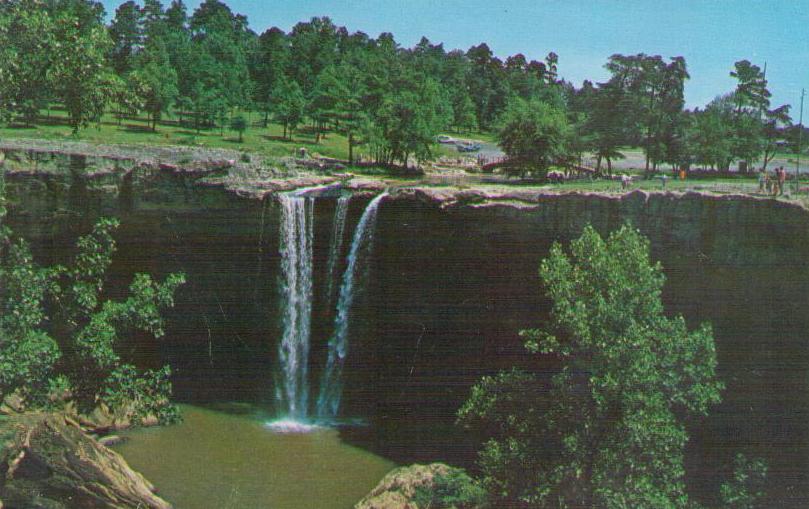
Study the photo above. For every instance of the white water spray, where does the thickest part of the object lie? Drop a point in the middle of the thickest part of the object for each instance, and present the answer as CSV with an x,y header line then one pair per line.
x,y
336,245
292,386
328,402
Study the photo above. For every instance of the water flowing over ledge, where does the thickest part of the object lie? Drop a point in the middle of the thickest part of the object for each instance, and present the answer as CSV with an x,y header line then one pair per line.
x,y
292,384
296,288
328,403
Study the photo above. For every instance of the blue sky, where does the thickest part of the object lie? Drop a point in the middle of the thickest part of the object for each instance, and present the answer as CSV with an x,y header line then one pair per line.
x,y
710,34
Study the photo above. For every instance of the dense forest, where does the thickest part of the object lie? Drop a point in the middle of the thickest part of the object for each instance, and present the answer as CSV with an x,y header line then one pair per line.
x,y
205,68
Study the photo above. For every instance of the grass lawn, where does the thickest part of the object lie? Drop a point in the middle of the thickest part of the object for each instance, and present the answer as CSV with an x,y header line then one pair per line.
x,y
265,141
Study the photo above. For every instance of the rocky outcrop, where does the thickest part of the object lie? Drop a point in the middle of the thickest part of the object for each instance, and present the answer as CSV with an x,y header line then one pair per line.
x,y
48,461
402,488
450,197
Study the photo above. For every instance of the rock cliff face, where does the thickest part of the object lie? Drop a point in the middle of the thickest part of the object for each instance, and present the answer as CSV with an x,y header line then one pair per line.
x,y
454,278
47,461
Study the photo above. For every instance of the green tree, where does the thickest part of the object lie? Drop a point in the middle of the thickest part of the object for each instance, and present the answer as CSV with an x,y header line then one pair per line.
x,y
338,99
751,90
323,108
157,79
776,121
212,61
27,353
750,99
267,66
711,135
463,111
532,134
606,122
487,84
55,331
651,103
609,430
128,97
551,67
79,73
411,115
239,124
313,48
288,104
27,36
126,35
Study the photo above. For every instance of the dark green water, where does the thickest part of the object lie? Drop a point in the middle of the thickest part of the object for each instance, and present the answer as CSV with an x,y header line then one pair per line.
x,y
217,459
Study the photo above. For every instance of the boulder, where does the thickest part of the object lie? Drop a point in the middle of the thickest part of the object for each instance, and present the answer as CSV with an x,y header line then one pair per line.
x,y
397,490
12,404
48,461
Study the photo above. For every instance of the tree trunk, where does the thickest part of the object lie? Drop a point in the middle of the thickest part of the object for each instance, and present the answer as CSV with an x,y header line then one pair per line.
x,y
51,459
350,148
646,169
767,158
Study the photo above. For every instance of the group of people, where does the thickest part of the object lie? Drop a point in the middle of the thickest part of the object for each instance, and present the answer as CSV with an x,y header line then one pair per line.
x,y
772,184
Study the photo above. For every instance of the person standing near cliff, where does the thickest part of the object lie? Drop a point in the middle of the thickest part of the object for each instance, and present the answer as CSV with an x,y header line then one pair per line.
x,y
773,182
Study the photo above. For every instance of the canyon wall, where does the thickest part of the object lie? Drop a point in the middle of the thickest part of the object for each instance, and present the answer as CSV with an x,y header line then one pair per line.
x,y
453,278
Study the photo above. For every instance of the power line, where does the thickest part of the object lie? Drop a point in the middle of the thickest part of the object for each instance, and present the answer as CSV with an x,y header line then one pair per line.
x,y
800,143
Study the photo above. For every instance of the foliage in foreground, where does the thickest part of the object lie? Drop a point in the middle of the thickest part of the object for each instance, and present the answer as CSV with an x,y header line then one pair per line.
x,y
58,338
455,490
608,429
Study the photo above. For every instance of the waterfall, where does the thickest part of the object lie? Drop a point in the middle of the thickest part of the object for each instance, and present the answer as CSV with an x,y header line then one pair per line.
x,y
336,244
328,402
292,386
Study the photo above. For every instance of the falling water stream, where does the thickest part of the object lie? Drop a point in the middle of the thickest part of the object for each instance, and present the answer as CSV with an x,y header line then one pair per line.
x,y
328,402
292,386
336,244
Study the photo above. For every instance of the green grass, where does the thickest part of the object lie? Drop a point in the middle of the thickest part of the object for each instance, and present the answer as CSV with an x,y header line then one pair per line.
x,y
259,140
268,142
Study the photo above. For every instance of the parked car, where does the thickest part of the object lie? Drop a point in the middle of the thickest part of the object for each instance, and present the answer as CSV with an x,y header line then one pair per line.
x,y
468,147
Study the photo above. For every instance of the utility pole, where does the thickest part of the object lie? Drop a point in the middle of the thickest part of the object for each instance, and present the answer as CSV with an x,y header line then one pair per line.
x,y
800,143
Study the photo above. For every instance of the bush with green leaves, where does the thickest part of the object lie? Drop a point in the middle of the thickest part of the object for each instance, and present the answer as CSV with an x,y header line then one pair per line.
x,y
608,430
453,490
58,337
746,489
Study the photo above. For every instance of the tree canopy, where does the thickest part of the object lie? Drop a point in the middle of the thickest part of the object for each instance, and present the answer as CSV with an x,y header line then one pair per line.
x,y
58,337
533,134
206,65
608,430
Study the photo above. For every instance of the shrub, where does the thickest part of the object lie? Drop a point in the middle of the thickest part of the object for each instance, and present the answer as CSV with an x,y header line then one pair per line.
x,y
455,490
87,367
